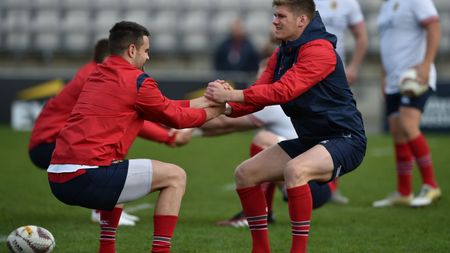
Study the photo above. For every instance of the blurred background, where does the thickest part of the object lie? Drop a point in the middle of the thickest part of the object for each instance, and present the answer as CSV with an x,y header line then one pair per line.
x,y
44,42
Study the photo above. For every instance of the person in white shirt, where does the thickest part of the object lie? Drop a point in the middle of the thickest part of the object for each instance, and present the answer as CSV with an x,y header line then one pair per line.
x,y
338,17
409,38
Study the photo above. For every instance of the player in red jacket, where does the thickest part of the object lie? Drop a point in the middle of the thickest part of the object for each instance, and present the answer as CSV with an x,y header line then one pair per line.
x,y
57,110
88,167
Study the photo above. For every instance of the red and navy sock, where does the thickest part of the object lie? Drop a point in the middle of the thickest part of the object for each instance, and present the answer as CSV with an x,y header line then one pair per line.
x,y
109,221
421,152
163,226
404,163
255,209
300,210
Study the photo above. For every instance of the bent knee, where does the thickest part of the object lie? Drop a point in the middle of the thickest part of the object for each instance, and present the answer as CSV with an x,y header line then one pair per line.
x,y
177,177
243,174
296,174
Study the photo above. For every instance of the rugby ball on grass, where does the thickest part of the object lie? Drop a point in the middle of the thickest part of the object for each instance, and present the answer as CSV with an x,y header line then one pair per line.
x,y
408,84
30,239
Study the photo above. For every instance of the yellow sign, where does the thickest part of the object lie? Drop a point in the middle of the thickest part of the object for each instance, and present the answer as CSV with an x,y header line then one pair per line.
x,y
42,90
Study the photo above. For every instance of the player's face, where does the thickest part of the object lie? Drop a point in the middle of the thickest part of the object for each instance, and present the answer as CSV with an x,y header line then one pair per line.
x,y
286,23
142,53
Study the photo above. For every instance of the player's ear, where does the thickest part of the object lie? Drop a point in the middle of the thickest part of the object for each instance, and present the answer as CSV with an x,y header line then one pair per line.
x,y
302,20
131,51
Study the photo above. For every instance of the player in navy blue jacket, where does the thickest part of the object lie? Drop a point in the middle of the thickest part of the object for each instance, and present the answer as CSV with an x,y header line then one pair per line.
x,y
307,78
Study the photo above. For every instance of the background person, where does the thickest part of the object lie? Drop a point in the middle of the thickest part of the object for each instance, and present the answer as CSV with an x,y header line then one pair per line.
x,y
409,38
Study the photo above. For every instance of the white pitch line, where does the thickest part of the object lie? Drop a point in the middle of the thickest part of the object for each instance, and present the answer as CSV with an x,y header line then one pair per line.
x,y
136,208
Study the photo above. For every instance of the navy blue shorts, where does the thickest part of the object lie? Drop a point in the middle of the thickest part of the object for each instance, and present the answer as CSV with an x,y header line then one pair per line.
x,y
41,155
396,100
347,152
96,189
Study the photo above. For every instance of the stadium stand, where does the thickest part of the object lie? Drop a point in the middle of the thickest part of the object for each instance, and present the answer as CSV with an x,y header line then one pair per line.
x,y
178,26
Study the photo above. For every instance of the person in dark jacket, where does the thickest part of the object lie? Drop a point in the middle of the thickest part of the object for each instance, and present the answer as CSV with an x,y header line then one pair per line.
x,y
236,52
306,77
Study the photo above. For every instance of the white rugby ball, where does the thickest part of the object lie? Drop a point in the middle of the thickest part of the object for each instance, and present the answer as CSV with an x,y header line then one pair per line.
x,y
408,84
30,239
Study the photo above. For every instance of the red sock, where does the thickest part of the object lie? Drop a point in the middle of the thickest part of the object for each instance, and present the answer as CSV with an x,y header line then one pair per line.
x,y
300,209
109,221
404,163
255,210
255,149
332,186
268,189
163,226
421,151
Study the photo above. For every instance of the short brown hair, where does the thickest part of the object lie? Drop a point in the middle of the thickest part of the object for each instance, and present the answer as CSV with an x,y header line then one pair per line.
x,y
125,33
101,50
307,7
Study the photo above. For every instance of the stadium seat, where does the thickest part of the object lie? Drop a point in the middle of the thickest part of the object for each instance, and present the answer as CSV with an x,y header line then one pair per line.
x,y
164,42
107,5
136,4
258,5
221,22
196,41
16,19
194,21
17,41
105,19
16,4
199,5
71,5
47,42
76,20
46,20
259,21
165,5
75,28
139,16
235,5
46,4
165,21
77,41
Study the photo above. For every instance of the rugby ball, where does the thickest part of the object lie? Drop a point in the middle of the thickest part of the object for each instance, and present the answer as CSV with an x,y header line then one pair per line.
x,y
30,239
408,84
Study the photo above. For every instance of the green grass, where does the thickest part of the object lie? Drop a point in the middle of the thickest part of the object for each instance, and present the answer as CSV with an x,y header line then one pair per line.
x,y
210,162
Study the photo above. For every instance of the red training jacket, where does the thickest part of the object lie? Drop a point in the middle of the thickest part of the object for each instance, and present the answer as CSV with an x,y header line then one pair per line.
x,y
55,113
110,111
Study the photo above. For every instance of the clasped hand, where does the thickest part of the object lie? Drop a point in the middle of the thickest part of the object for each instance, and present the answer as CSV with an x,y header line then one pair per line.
x,y
218,91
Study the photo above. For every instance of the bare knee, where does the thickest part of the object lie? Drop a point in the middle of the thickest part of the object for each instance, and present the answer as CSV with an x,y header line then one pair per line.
x,y
243,175
296,174
176,177
179,178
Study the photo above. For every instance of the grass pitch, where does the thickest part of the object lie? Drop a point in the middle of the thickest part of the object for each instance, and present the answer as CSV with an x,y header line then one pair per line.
x,y
210,162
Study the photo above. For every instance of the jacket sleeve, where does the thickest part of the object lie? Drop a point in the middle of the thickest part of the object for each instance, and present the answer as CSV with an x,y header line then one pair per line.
x,y
155,132
240,109
316,60
154,106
